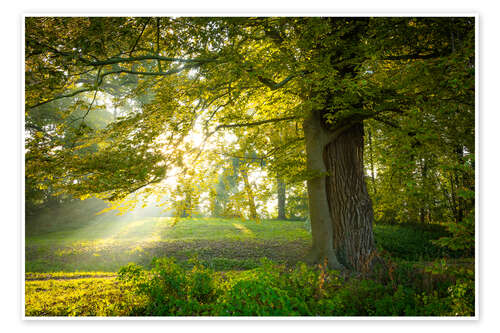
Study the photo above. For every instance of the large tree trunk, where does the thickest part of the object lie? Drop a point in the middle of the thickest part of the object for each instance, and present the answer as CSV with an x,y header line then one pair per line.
x,y
340,208
349,203
316,139
281,199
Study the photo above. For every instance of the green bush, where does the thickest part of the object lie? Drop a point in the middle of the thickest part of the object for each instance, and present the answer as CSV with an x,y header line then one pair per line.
x,y
171,290
462,293
275,290
462,236
255,298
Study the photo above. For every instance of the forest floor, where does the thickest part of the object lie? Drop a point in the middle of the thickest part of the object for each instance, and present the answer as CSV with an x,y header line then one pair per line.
x,y
78,265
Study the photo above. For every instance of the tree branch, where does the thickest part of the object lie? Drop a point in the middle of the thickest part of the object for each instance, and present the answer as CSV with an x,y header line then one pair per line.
x,y
414,56
90,107
138,38
170,72
101,76
257,123
76,92
117,60
273,85
387,122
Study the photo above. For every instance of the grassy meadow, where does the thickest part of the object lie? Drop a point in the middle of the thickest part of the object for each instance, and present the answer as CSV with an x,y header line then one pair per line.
x,y
106,245
77,270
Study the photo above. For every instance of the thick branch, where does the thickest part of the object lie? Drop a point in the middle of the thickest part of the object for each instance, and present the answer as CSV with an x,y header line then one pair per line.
x,y
273,85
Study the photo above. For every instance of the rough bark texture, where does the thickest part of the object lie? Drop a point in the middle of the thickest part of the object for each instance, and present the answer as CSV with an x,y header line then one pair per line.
x,y
349,203
281,199
316,139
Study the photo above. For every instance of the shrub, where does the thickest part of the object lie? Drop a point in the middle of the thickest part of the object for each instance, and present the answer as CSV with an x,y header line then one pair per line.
x,y
275,290
171,290
462,236
255,298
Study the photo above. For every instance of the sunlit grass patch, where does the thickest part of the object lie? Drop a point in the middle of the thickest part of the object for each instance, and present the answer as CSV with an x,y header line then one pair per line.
x,y
235,229
243,229
66,275
107,245
104,296
164,229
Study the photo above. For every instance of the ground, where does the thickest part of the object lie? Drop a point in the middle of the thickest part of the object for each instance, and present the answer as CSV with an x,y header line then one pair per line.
x,y
72,271
108,245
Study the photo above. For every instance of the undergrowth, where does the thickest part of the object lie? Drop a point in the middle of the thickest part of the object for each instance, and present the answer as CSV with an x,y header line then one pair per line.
x,y
275,290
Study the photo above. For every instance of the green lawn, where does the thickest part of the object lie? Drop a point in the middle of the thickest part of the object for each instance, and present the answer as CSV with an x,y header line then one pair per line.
x,y
106,245
167,229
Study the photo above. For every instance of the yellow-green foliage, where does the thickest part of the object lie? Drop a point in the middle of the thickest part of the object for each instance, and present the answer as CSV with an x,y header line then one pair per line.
x,y
67,296
67,275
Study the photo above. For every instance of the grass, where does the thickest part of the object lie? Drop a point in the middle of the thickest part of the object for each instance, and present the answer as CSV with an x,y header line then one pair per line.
x,y
166,229
223,244
77,297
106,245
72,271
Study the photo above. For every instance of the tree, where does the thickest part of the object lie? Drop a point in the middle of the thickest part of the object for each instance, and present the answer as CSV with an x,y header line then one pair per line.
x,y
326,76
281,185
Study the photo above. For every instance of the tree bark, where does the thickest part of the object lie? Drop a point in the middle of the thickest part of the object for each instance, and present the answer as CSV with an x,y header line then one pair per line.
x,y
316,138
281,199
350,205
